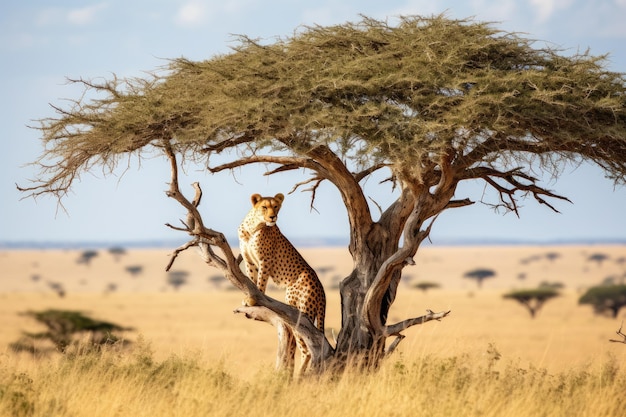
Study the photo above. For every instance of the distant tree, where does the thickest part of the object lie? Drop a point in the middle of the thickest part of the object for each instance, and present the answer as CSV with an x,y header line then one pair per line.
x,y
555,285
533,299
479,275
117,252
598,257
605,298
65,327
86,257
426,104
58,288
552,256
532,258
134,270
177,278
426,285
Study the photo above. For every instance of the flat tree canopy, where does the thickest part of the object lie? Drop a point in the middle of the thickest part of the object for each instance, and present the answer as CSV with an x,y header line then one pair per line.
x,y
533,299
429,101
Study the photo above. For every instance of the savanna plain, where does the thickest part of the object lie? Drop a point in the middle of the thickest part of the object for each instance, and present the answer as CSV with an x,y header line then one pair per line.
x,y
190,355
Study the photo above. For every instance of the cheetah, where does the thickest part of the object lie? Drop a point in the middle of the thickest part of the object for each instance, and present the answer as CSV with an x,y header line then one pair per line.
x,y
268,253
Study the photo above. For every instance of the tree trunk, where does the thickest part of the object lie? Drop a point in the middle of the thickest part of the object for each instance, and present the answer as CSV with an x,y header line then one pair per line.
x,y
366,294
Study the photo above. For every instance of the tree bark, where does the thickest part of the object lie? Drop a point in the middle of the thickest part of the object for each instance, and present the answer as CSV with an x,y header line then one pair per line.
x,y
366,294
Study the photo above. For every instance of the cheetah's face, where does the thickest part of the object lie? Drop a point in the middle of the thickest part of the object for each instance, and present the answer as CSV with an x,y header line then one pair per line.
x,y
266,208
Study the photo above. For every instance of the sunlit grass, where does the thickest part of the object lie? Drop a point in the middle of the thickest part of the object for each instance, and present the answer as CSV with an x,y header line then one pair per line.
x,y
132,383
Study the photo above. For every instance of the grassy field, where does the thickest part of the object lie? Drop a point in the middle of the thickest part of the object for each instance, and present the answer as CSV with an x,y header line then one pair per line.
x,y
191,356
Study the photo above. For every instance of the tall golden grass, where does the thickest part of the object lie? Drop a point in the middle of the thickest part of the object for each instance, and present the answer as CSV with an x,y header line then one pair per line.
x,y
114,383
192,356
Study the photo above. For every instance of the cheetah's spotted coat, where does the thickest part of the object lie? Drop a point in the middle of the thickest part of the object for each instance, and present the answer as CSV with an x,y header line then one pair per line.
x,y
267,253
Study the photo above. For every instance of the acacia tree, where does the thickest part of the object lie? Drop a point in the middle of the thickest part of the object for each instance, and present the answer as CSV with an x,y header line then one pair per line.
x,y
533,299
430,102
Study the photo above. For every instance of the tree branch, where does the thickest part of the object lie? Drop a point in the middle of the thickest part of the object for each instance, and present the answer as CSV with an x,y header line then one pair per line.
x,y
260,306
413,236
291,162
277,314
395,329
358,176
619,333
507,193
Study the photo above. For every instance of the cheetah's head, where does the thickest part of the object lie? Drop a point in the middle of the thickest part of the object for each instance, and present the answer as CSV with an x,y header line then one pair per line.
x,y
266,208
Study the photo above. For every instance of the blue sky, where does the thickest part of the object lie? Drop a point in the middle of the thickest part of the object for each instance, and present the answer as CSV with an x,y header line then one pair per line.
x,y
43,42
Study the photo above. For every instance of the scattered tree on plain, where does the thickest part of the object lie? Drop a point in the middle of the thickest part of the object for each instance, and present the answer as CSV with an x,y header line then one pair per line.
x,y
480,274
177,279
117,252
427,103
134,270
65,327
598,257
605,299
86,257
426,285
533,299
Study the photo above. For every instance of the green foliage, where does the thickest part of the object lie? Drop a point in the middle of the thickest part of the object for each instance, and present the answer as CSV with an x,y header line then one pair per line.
x,y
480,274
533,299
402,95
605,298
426,285
542,293
63,326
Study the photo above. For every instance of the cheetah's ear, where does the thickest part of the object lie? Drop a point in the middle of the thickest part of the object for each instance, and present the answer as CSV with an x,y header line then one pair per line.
x,y
255,198
280,197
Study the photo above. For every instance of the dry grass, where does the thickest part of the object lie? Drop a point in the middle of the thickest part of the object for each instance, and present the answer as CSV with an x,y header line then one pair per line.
x,y
195,357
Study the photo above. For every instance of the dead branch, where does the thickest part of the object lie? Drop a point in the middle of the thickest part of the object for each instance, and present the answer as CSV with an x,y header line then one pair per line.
x,y
392,347
178,250
512,185
260,306
395,329
279,314
459,203
619,333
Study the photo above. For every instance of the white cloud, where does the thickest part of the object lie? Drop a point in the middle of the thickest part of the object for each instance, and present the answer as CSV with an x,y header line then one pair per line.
x,y
191,13
85,15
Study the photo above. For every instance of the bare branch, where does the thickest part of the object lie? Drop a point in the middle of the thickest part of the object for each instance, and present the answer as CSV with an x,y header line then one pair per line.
x,y
358,176
395,329
278,314
507,192
459,203
178,250
619,333
392,347
260,306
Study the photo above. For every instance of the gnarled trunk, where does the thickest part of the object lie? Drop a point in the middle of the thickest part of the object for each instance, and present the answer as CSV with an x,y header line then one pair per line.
x,y
366,294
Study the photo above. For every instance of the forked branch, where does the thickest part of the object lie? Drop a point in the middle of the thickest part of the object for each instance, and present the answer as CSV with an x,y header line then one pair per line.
x,y
395,329
260,306
508,183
